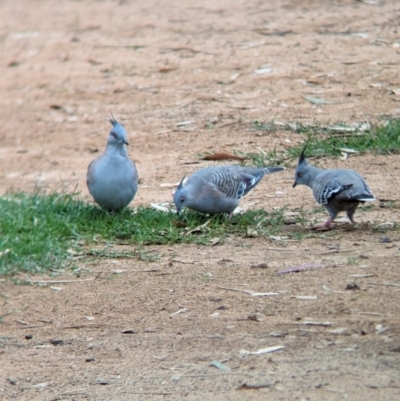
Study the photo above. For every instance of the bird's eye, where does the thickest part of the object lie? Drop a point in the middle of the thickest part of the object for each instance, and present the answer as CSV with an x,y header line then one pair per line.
x,y
182,199
114,135
299,175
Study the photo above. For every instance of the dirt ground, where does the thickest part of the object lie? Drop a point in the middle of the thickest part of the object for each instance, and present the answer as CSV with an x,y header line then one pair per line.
x,y
186,80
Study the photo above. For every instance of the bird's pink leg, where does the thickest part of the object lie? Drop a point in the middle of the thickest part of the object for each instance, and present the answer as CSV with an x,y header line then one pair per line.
x,y
325,226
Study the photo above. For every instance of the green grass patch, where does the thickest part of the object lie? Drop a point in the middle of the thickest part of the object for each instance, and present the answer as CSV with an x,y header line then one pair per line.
x,y
42,233
330,140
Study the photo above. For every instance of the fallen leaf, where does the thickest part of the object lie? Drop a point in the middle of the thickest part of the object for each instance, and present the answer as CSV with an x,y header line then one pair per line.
x,y
317,100
220,366
223,156
300,268
164,70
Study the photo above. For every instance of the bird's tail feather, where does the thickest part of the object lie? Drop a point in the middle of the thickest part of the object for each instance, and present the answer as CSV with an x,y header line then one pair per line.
x,y
362,198
366,198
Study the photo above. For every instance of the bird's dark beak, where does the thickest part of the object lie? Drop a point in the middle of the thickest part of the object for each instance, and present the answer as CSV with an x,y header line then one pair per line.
x,y
126,143
294,184
178,211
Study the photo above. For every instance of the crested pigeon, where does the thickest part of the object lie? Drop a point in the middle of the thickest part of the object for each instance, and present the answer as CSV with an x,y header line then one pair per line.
x,y
112,178
218,189
337,189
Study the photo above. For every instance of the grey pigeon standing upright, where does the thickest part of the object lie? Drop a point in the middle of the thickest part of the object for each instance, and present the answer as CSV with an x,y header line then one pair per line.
x,y
112,178
218,189
337,189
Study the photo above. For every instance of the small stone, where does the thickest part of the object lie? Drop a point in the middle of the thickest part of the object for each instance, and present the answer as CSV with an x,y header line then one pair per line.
x,y
352,287
128,331
89,360
259,266
28,336
56,341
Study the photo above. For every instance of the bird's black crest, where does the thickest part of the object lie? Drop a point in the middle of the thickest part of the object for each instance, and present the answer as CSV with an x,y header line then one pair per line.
x,y
112,120
302,157
181,183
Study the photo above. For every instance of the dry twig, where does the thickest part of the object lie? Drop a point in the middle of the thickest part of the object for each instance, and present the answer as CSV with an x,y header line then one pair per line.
x,y
61,281
387,284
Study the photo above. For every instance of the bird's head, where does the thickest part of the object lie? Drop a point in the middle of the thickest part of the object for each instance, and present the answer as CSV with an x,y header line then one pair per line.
x,y
117,134
302,173
180,197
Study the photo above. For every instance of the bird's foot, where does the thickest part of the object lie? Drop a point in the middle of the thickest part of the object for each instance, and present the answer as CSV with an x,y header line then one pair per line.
x,y
323,227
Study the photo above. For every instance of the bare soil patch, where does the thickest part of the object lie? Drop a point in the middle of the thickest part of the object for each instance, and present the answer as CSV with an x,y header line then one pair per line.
x,y
153,329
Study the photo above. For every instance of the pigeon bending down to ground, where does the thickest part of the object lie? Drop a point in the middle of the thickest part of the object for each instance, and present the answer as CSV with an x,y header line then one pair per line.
x,y
218,189
112,178
338,190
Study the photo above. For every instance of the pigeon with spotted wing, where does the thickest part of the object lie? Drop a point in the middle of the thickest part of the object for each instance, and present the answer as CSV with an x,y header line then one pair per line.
x,y
112,178
337,189
218,189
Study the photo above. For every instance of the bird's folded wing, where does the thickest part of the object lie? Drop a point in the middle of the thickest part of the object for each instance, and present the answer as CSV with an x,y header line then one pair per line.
x,y
324,189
